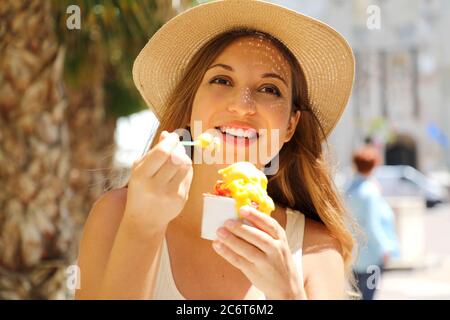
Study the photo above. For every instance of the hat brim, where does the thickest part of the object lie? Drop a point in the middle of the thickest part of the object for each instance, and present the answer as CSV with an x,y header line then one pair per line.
x,y
323,54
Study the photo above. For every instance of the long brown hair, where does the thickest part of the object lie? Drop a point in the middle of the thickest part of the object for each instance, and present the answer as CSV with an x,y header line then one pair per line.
x,y
303,181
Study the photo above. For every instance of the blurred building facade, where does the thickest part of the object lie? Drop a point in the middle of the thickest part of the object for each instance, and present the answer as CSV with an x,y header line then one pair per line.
x,y
402,85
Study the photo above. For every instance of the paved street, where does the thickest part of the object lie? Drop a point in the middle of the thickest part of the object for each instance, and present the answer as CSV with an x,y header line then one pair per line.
x,y
432,281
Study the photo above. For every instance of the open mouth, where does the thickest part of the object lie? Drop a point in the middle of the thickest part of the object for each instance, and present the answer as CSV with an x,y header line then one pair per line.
x,y
239,133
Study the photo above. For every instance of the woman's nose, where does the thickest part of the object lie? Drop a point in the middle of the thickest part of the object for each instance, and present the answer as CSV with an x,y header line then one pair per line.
x,y
244,104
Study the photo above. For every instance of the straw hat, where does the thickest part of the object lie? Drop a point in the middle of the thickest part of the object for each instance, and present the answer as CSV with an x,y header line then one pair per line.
x,y
324,55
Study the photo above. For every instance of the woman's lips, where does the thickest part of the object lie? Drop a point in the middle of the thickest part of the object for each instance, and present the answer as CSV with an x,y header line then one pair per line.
x,y
245,131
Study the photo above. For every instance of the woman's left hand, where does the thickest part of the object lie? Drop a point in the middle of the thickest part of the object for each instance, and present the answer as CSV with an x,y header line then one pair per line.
x,y
262,253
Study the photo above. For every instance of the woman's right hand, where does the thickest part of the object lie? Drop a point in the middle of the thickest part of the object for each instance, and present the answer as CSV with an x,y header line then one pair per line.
x,y
159,185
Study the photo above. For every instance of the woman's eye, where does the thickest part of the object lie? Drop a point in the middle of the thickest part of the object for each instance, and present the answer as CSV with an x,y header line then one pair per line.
x,y
273,90
223,81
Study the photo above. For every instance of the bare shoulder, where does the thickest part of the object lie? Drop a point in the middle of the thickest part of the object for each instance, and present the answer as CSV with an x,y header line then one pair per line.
x,y
107,212
112,199
323,264
318,237
98,236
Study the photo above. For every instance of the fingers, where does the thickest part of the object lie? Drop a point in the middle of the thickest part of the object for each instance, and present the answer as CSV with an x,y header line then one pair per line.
x,y
240,246
163,135
165,173
159,154
232,257
262,221
175,163
253,235
181,175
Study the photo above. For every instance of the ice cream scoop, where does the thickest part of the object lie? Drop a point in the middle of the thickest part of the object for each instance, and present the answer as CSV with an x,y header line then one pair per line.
x,y
241,184
246,184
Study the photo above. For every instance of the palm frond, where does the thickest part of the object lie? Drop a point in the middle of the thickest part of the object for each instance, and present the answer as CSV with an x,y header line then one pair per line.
x,y
120,28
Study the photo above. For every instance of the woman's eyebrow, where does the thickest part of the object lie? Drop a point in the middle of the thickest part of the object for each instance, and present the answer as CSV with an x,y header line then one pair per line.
x,y
225,66
274,75
264,75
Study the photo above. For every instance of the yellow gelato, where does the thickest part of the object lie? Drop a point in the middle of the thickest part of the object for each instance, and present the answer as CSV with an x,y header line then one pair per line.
x,y
246,184
207,140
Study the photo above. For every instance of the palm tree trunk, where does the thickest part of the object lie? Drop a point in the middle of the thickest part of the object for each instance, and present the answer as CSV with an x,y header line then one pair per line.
x,y
36,227
91,139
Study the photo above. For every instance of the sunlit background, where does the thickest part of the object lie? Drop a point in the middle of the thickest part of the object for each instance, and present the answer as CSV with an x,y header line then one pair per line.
x,y
71,123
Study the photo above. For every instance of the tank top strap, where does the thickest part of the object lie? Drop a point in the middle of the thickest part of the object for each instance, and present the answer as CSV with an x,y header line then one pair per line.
x,y
295,229
166,288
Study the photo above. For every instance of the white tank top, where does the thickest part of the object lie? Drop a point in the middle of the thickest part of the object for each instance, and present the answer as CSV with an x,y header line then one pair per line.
x,y
295,226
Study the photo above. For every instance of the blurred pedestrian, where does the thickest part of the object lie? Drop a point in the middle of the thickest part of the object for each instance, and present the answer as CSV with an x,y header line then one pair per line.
x,y
375,217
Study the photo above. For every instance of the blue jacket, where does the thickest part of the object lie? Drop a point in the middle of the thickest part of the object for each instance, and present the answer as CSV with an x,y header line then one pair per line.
x,y
376,218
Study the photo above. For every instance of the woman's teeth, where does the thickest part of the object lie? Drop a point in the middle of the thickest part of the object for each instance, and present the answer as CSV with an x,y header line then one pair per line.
x,y
239,132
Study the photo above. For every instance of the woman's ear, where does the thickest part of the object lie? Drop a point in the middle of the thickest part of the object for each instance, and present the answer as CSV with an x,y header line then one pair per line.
x,y
293,121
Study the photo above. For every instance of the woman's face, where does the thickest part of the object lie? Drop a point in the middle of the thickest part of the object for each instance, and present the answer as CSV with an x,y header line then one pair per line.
x,y
246,93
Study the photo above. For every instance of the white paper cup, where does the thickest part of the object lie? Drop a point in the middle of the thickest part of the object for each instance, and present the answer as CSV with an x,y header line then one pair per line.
x,y
216,210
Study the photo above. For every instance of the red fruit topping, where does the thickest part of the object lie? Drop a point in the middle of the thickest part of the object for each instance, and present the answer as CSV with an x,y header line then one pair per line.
x,y
220,191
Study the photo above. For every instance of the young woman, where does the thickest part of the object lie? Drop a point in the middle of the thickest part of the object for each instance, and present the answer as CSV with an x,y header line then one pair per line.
x,y
247,65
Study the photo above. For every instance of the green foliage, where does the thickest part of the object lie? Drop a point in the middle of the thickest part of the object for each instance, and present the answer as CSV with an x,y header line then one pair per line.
x,y
120,99
197,2
112,32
